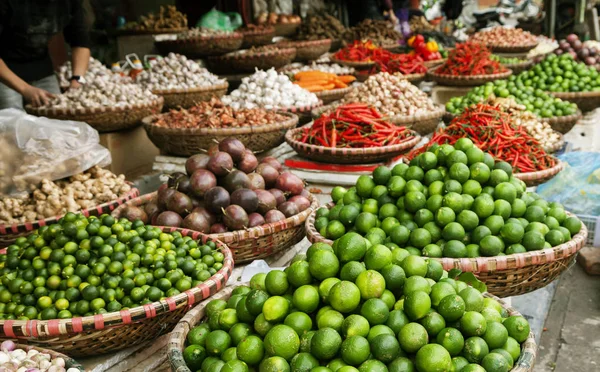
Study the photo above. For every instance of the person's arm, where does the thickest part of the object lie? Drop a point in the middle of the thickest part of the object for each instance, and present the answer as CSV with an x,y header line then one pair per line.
x,y
77,35
36,96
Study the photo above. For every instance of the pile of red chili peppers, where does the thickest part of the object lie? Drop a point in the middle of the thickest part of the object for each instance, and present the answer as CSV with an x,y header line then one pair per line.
x,y
470,59
491,130
385,61
354,125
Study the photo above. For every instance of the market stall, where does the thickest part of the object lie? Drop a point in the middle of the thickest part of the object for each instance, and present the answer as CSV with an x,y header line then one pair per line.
x,y
308,211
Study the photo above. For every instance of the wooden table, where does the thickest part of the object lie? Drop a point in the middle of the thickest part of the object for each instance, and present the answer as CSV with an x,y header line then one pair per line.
x,y
152,356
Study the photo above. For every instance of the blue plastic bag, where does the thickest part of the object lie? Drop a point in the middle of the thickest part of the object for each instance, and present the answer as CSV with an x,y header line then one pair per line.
x,y
577,186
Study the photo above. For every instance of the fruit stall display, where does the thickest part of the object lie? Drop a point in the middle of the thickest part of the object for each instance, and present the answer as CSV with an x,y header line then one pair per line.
x,y
348,308
506,40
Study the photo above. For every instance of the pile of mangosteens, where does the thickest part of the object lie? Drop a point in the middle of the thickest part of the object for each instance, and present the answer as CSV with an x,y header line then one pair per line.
x,y
226,189
574,46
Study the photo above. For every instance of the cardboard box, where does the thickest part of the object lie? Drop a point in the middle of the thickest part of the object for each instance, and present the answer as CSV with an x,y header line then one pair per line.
x,y
132,152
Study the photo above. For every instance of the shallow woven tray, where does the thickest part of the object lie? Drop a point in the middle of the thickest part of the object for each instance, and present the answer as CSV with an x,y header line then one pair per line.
x,y
348,155
307,50
556,146
177,338
69,362
246,62
328,96
103,119
257,242
504,276
519,67
190,141
286,29
103,333
413,78
258,37
585,101
187,98
10,233
356,65
539,177
124,32
465,80
435,62
512,48
304,112
202,46
563,124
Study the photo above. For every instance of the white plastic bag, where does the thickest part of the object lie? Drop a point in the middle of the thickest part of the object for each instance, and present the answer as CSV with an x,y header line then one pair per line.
x,y
33,148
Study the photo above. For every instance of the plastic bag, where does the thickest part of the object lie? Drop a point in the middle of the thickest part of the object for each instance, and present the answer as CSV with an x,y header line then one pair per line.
x,y
33,148
577,186
216,20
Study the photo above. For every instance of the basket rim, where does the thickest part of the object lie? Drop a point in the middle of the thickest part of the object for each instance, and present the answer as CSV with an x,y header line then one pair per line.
x,y
488,264
333,92
240,55
57,327
525,63
267,29
42,111
300,109
33,225
126,32
303,43
238,235
558,145
364,64
572,95
202,39
445,77
410,142
409,77
564,119
539,175
69,361
290,122
209,88
503,48
397,119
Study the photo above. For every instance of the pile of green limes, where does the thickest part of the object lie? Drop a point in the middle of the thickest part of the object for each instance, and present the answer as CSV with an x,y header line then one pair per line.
x,y
450,201
82,266
561,74
349,308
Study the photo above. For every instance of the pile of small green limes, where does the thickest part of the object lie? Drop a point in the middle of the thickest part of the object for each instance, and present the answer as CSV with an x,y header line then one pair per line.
x,y
82,266
450,201
346,308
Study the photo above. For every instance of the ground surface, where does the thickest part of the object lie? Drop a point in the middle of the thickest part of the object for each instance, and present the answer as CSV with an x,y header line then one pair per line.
x,y
571,341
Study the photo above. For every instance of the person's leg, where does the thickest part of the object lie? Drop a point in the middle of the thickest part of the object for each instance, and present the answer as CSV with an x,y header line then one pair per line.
x,y
10,98
49,83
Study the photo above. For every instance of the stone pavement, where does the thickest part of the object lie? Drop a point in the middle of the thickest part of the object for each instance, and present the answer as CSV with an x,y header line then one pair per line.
x,y
571,340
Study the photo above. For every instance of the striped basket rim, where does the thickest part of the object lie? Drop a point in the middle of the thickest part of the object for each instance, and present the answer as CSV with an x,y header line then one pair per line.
x,y
45,111
522,64
303,43
564,119
359,65
30,226
220,86
300,109
339,92
177,338
543,174
439,112
69,362
126,32
244,55
504,48
266,30
474,79
573,95
290,122
239,235
202,39
409,143
32,329
484,264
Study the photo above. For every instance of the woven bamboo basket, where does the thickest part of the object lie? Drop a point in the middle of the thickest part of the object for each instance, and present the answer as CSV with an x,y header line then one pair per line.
x,y
187,98
465,80
286,29
539,177
356,65
434,63
244,61
103,333
157,31
563,124
346,155
10,233
190,141
202,46
447,117
413,78
511,48
304,112
258,37
69,362
177,338
255,243
505,276
421,123
519,67
328,96
307,50
103,119
556,146
585,101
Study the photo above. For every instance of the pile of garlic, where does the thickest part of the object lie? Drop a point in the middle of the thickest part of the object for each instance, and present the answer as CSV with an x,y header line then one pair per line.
x,y
176,71
201,32
269,90
16,359
96,70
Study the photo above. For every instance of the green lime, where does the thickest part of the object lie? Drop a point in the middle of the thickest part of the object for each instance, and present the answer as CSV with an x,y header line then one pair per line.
x,y
394,277
305,298
480,172
251,350
439,291
385,348
400,235
396,186
417,304
533,240
372,284
458,363
399,169
365,221
375,311
428,161
434,358
451,339
475,349
518,328
377,257
344,296
275,309
239,332
351,270
414,172
303,362
513,232
483,206
276,283
401,364
193,356
494,223
433,323
356,325
506,356
217,342
432,250
273,364
473,299
468,220
323,264
414,200
513,348
325,343
495,335
355,350
420,237
198,335
325,288
334,230
473,323
282,341
414,265
502,208
258,281
491,246
445,215
372,365
452,308
387,210
497,177
573,224
412,337
494,362
337,193
397,320
454,249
